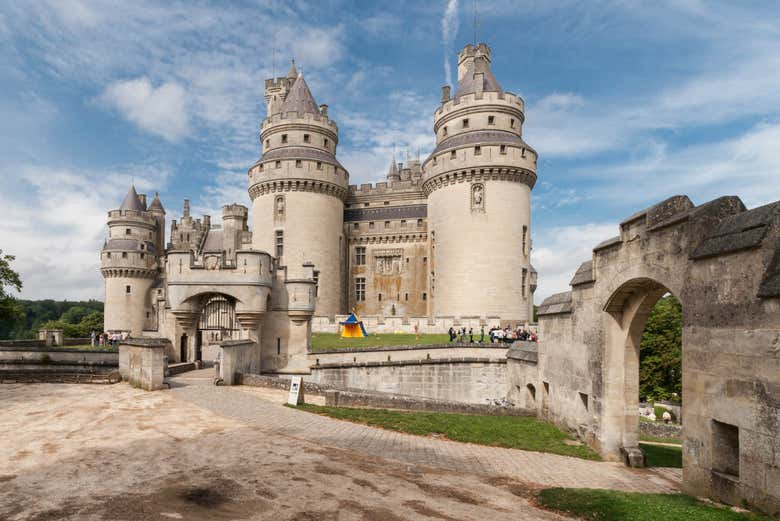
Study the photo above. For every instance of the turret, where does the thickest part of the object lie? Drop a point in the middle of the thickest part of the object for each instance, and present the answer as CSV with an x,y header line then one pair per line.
x,y
393,175
478,182
158,212
129,264
298,188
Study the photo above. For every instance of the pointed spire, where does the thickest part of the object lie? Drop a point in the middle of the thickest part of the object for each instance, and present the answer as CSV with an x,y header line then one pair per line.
x,y
132,201
293,73
393,172
300,99
156,204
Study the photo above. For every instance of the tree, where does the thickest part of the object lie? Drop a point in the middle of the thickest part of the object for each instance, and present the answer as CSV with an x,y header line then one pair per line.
x,y
75,314
9,279
660,352
90,323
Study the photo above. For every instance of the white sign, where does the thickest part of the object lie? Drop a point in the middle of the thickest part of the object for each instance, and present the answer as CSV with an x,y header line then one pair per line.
x,y
296,391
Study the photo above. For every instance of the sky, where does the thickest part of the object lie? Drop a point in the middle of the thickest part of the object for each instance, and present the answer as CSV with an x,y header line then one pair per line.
x,y
627,103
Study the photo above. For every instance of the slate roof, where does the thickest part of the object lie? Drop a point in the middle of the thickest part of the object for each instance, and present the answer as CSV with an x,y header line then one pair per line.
x,y
468,83
156,204
132,201
300,99
214,240
393,171
584,274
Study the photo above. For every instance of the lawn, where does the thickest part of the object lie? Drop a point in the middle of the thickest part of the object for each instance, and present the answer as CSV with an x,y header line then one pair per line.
x,y
610,505
328,341
514,432
662,455
657,439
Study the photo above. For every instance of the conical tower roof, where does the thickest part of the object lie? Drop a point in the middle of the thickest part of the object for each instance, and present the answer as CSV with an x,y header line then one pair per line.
x,y
300,99
156,204
468,83
293,73
393,171
132,201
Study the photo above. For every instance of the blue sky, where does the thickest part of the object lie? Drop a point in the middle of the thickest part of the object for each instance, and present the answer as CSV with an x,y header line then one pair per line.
x,y
627,103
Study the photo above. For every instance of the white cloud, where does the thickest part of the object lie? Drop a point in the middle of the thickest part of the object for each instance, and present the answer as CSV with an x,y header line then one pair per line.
x,y
55,225
161,110
559,251
449,29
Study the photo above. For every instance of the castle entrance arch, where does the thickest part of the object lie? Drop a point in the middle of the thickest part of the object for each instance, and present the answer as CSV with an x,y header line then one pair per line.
x,y
626,313
217,322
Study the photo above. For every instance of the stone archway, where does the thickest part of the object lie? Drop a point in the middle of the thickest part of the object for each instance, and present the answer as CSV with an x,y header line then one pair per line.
x,y
626,313
722,262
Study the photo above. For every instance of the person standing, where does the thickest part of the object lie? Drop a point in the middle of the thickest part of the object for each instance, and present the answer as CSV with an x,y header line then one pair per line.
x,y
452,334
481,334
92,338
471,335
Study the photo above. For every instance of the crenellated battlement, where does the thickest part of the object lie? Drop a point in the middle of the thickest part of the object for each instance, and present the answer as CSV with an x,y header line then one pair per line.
x,y
299,118
503,99
116,217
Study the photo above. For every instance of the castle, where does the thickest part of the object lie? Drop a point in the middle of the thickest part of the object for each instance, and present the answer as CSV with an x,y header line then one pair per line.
x,y
444,242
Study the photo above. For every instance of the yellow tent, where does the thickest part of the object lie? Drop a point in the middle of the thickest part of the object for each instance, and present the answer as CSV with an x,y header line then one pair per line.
x,y
353,327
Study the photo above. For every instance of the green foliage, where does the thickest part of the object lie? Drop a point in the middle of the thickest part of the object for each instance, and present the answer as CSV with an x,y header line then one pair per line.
x,y
36,314
662,455
660,352
10,310
516,432
611,505
75,314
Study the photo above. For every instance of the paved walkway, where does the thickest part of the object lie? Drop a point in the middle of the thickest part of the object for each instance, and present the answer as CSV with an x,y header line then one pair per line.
x,y
545,469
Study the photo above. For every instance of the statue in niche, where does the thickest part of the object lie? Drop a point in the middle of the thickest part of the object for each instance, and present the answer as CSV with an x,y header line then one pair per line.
x,y
477,197
212,263
280,207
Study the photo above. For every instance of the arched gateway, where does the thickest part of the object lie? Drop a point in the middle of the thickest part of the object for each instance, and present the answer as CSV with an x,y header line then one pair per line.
x,y
723,263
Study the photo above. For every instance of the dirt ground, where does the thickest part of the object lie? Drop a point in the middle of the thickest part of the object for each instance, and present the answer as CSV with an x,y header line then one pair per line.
x,y
92,452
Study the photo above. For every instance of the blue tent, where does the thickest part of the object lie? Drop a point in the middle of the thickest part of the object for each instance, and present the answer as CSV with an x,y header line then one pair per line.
x,y
353,327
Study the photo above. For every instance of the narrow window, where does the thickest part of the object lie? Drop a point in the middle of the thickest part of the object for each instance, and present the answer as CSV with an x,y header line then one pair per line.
x,y
502,149
278,346
403,223
546,387
584,400
356,226
360,289
298,163
267,143
316,284
419,223
425,259
531,391
371,225
142,255
491,120
306,138
284,138
319,165
127,289
108,255
512,122
360,255
365,205
386,203
525,240
477,150
522,154
725,448
325,142
278,164
387,225
279,243
124,254
379,296
142,246
406,296
465,122
453,154
525,276
425,296
128,231
147,314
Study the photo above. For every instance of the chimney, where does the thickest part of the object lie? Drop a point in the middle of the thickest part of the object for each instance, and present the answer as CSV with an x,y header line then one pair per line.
x,y
186,208
445,94
324,110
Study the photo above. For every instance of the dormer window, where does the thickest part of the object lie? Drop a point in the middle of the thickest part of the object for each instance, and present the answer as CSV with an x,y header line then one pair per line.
x,y
306,138
319,165
465,122
491,120
284,138
502,149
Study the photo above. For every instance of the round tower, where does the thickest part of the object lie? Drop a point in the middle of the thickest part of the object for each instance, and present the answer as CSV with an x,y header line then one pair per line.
x,y
129,265
478,182
298,188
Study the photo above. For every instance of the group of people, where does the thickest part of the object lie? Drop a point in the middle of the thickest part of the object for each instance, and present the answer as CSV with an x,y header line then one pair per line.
x,y
106,339
496,334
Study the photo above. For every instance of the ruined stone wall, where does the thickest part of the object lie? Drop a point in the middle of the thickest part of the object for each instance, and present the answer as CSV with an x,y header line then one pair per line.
x,y
723,263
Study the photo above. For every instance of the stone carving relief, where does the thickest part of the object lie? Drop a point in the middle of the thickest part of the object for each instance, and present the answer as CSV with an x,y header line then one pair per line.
x,y
212,262
279,208
388,262
477,197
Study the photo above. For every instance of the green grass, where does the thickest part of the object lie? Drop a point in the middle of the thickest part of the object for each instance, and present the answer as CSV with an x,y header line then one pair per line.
x,y
657,439
610,505
328,341
662,455
515,432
